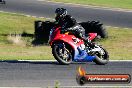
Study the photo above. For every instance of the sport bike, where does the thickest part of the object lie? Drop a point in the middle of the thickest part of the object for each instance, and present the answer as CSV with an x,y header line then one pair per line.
x,y
67,48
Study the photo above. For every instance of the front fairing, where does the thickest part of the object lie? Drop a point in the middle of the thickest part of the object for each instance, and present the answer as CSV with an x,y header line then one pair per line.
x,y
82,56
74,42
51,34
54,32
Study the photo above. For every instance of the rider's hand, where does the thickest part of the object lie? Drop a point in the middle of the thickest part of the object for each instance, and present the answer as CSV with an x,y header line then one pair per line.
x,y
66,30
63,30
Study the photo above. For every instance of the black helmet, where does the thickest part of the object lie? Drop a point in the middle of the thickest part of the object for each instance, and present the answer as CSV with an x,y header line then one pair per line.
x,y
61,11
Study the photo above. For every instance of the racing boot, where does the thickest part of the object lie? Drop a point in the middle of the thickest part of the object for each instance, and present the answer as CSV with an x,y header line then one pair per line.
x,y
88,43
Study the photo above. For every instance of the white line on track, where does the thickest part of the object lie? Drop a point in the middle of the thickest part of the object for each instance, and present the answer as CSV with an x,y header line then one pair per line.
x,y
89,6
94,86
56,60
20,87
76,87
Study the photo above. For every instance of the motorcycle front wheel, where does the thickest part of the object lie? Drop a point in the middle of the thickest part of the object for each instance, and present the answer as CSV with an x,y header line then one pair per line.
x,y
102,57
62,53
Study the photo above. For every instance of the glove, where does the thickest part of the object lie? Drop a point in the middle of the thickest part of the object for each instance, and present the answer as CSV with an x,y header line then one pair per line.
x,y
67,29
64,30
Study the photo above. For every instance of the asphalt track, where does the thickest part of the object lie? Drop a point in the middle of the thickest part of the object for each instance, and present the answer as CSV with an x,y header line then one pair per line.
x,y
44,74
46,9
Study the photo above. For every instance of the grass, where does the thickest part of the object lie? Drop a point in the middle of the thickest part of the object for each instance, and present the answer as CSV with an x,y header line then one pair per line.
x,y
13,52
119,43
22,49
125,4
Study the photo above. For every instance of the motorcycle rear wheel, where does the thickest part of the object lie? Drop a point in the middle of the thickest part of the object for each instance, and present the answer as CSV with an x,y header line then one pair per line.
x,y
101,59
62,53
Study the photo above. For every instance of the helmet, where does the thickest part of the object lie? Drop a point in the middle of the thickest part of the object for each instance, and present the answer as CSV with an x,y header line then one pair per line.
x,y
61,12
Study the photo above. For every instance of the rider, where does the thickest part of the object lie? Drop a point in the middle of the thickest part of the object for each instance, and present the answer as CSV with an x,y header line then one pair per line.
x,y
69,24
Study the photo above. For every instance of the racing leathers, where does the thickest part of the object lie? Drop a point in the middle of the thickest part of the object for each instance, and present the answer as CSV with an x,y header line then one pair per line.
x,y
69,24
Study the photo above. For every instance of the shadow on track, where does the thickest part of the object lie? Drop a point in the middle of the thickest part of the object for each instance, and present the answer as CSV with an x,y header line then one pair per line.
x,y
38,62
30,62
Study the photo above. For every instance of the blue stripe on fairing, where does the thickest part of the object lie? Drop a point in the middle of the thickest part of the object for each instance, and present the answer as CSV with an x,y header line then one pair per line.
x,y
82,58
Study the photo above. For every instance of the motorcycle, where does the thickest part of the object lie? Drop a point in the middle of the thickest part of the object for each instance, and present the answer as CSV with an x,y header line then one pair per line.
x,y
42,29
67,48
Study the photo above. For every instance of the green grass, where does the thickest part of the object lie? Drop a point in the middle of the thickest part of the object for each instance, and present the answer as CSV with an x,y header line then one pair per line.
x,y
126,4
12,23
13,52
119,43
17,24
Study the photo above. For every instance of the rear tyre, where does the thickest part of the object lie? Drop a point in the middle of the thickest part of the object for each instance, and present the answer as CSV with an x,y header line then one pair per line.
x,y
101,59
62,53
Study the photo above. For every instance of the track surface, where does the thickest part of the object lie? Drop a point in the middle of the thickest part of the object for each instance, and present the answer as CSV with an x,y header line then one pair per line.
x,y
46,9
42,74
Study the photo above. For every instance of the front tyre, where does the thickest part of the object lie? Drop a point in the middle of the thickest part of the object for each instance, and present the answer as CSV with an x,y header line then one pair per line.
x,y
102,57
62,53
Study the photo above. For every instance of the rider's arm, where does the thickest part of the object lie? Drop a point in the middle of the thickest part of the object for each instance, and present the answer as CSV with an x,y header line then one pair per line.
x,y
71,21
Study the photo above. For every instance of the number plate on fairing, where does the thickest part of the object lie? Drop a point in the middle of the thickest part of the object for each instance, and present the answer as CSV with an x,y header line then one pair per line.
x,y
76,40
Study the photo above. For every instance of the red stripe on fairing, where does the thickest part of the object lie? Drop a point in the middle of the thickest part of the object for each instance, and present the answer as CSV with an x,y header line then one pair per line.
x,y
92,36
64,37
68,39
